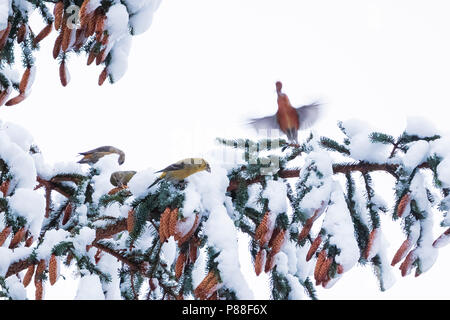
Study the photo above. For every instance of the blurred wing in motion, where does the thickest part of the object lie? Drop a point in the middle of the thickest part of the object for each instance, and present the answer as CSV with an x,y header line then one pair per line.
x,y
308,115
267,123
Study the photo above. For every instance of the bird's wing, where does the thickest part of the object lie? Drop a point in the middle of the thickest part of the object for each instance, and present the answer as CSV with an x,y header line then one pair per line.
x,y
308,115
269,122
173,167
99,149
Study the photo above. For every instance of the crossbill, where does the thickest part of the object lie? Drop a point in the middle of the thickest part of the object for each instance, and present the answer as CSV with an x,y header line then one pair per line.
x,y
121,178
288,119
182,169
92,156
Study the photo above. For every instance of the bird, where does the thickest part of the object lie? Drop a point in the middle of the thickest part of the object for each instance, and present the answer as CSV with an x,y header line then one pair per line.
x,y
182,169
92,156
121,178
288,119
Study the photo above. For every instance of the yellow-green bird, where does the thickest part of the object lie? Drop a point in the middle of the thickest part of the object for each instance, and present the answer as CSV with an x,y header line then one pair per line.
x,y
182,169
92,156
121,178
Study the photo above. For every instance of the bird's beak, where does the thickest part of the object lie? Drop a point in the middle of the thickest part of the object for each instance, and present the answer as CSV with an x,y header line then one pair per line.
x,y
208,168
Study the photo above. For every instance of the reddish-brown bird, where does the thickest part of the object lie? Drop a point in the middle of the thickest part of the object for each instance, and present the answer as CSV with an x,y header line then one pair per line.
x,y
288,119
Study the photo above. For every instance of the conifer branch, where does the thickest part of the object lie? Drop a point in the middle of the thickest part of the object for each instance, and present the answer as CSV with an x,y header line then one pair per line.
x,y
131,264
19,266
363,167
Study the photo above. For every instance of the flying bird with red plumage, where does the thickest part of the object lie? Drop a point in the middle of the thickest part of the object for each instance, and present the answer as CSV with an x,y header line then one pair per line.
x,y
288,119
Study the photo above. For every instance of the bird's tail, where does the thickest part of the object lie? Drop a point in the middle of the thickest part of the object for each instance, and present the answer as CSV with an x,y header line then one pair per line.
x,y
87,157
155,182
292,135
84,160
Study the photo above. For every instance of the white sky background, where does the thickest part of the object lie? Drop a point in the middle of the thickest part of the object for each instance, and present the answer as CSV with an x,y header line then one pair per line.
x,y
205,66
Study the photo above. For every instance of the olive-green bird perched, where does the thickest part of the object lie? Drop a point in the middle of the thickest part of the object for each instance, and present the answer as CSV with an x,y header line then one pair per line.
x,y
121,178
92,156
182,169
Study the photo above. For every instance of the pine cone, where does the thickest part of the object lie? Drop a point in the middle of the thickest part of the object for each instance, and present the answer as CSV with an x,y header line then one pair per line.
x,y
187,236
320,260
130,221
79,39
213,296
39,290
24,81
16,100
28,276
201,291
4,95
263,229
270,262
101,56
172,222
323,274
309,223
404,201
44,33
57,46
18,236
63,73
314,246
105,40
53,269
58,12
98,256
278,242
274,235
29,241
193,250
372,238
67,213
91,57
4,187
83,14
260,261
66,36
69,258
405,267
305,230
439,242
102,77
179,265
164,225
100,22
5,35
21,33
4,235
153,284
114,190
39,271
401,252
90,25
210,288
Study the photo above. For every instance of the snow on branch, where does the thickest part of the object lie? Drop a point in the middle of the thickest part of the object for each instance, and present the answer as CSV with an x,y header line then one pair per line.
x,y
100,29
178,239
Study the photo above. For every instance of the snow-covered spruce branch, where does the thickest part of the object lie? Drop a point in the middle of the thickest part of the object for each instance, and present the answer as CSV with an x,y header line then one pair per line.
x,y
311,211
361,166
100,29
